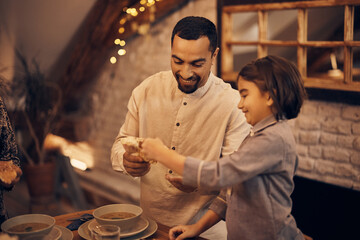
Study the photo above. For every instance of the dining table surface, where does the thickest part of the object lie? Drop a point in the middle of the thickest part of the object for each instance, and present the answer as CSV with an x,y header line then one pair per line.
x,y
162,232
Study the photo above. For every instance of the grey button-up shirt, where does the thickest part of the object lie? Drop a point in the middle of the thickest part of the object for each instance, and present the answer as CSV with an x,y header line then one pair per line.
x,y
257,181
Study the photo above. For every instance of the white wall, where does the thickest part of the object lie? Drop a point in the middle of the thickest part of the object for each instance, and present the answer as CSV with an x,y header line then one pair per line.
x,y
40,29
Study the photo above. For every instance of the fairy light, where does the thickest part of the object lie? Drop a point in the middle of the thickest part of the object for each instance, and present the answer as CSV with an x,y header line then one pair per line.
x,y
122,52
113,60
122,21
132,12
121,30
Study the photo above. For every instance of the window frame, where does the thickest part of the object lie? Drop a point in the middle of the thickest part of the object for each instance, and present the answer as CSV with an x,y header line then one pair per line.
x,y
345,83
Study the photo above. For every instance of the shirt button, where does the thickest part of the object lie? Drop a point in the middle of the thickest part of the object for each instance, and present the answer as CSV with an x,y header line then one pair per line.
x,y
185,103
173,148
177,124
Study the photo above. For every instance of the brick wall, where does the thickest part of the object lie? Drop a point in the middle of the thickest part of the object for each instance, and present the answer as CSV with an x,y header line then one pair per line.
x,y
328,138
328,134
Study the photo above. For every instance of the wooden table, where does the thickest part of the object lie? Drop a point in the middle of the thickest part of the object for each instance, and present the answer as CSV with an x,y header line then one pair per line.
x,y
161,234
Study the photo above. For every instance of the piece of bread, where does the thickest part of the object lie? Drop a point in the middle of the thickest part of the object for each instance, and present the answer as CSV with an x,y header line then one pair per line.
x,y
132,145
7,172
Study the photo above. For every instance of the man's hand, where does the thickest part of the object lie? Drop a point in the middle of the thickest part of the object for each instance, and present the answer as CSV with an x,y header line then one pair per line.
x,y
176,181
135,165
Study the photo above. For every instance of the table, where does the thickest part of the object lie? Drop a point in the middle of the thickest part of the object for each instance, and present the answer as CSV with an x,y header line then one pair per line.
x,y
160,234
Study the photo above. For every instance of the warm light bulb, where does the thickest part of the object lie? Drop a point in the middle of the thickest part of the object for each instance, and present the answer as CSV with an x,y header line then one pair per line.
x,y
123,21
122,52
141,9
113,60
143,2
121,30
117,41
122,43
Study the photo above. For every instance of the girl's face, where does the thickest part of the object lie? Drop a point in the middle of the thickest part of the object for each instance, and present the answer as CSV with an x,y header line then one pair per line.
x,y
253,103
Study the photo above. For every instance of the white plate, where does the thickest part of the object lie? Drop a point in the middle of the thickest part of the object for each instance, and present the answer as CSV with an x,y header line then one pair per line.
x,y
150,230
54,234
142,225
66,234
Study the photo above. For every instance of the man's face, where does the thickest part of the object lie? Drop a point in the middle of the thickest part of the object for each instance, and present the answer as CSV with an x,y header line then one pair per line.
x,y
191,62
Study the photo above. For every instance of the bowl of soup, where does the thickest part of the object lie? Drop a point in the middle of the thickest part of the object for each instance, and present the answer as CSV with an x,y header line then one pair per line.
x,y
29,226
122,215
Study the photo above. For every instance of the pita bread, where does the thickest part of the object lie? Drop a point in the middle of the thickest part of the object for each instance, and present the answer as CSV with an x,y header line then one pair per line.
x,y
132,145
7,172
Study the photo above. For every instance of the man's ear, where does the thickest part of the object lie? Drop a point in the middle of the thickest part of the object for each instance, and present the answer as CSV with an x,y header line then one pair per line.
x,y
215,54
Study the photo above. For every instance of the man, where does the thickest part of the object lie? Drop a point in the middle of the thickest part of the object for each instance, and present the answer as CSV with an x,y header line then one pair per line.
x,y
191,111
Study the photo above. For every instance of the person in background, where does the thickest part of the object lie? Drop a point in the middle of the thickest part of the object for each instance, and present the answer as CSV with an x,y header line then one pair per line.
x,y
10,171
193,112
257,179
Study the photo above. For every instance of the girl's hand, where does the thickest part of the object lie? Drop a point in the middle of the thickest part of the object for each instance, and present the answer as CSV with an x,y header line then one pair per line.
x,y
183,232
153,149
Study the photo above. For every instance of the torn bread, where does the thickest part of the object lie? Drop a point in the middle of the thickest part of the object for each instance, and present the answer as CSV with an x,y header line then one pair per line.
x,y
132,145
7,172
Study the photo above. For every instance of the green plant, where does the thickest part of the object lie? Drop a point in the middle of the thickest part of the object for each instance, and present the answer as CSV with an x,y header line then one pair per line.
x,y
38,99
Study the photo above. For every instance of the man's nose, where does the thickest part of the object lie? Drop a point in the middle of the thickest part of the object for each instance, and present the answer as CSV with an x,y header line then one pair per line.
x,y
186,72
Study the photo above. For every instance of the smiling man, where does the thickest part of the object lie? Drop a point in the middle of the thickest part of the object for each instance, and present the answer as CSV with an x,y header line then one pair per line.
x,y
194,113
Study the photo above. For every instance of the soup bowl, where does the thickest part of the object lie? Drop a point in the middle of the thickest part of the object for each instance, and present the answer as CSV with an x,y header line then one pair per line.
x,y
100,214
29,226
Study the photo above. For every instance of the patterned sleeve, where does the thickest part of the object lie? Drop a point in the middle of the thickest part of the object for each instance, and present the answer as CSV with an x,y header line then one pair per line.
x,y
8,147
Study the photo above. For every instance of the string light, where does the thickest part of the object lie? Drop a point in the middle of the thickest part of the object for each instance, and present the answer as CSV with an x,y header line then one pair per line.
x,y
122,52
141,29
113,60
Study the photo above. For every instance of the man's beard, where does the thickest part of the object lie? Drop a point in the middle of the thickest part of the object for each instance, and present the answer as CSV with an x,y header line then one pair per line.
x,y
187,88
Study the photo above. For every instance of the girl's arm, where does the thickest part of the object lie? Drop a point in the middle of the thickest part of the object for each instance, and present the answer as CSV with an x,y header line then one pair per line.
x,y
154,149
209,219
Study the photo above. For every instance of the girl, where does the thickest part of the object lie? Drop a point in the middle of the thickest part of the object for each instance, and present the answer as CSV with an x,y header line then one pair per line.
x,y
256,180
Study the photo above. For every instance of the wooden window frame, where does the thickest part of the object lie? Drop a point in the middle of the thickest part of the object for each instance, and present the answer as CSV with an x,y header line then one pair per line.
x,y
301,43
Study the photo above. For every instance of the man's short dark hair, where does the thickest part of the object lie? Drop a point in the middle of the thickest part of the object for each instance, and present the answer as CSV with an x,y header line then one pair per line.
x,y
193,28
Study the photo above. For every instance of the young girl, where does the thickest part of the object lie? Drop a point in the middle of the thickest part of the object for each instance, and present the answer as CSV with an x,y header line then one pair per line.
x,y
256,180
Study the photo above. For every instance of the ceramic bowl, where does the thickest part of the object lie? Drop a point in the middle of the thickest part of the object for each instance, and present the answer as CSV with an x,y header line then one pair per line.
x,y
29,218
125,223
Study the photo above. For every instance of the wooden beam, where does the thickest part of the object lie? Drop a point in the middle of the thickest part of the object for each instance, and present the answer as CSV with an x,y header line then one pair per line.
x,y
96,43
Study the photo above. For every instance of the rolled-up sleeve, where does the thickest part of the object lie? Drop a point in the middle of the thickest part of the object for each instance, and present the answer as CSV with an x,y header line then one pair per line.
x,y
219,205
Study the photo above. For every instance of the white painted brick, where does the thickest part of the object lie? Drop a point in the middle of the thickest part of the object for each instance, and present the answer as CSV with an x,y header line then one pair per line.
x,y
356,128
306,164
336,154
308,123
336,125
315,151
355,158
328,138
345,170
325,167
345,141
343,182
309,137
329,109
309,108
302,150
356,186
357,143
351,113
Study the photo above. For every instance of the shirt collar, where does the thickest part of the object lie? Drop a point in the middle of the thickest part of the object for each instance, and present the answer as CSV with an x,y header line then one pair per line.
x,y
201,90
264,123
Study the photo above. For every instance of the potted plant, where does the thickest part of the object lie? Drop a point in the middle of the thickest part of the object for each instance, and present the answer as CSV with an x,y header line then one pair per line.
x,y
37,103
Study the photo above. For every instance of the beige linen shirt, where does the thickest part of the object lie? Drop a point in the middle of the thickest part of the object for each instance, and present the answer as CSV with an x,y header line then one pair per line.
x,y
203,124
